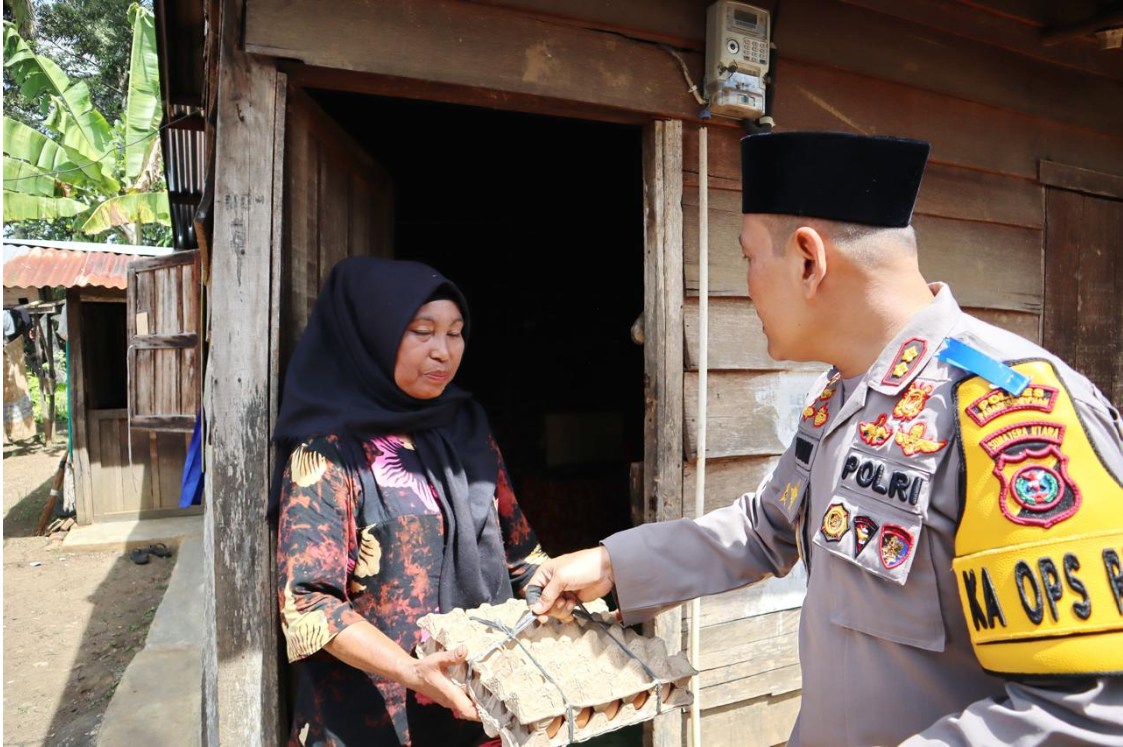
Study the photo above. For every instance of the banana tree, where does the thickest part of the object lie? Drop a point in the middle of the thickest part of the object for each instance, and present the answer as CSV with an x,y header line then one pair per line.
x,y
102,176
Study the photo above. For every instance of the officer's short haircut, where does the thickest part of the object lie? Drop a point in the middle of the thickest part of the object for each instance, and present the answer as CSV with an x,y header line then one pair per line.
x,y
864,242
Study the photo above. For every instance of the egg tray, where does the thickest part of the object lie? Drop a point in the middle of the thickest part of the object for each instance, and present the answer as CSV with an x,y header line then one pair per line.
x,y
606,688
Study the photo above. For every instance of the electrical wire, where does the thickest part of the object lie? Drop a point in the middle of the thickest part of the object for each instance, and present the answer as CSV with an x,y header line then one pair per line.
x,y
108,153
685,74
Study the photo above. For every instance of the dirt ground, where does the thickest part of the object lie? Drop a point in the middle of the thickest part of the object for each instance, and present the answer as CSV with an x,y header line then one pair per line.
x,y
72,623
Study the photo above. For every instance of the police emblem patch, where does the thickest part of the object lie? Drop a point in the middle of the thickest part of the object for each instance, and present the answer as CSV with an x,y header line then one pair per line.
x,y
877,432
864,530
836,522
1033,472
913,401
896,544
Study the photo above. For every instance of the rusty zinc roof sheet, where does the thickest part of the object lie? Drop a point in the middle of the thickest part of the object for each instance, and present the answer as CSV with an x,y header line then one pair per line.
x,y
30,266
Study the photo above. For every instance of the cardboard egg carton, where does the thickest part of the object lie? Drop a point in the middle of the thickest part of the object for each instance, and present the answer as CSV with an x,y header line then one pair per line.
x,y
606,688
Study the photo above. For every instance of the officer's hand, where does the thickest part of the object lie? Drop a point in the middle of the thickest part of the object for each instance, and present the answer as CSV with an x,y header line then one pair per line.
x,y
579,576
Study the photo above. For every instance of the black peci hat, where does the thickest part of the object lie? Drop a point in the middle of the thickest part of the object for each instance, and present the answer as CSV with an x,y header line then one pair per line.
x,y
832,175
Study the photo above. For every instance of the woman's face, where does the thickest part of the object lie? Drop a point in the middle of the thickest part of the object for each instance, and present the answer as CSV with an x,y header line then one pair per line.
x,y
430,351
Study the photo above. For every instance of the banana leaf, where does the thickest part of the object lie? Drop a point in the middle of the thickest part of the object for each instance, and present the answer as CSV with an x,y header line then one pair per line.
x,y
142,109
143,207
28,144
19,206
27,179
74,118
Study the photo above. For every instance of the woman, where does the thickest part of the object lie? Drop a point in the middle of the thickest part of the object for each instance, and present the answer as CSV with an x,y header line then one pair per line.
x,y
394,503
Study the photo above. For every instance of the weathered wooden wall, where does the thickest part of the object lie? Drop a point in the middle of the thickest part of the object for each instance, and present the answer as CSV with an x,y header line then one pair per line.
x,y
113,482
338,203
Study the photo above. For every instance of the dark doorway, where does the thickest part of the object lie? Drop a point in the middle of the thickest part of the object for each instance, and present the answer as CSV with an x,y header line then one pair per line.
x,y
540,221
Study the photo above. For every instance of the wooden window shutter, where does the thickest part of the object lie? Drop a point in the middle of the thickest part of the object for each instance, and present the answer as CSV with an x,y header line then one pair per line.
x,y
164,352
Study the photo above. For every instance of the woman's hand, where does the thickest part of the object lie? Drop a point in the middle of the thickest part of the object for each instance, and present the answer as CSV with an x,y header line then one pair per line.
x,y
427,677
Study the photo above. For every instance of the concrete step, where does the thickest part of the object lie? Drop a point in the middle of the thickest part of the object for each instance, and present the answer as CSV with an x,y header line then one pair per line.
x,y
125,535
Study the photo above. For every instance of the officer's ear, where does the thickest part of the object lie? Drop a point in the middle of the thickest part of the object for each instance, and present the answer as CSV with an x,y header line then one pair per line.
x,y
812,253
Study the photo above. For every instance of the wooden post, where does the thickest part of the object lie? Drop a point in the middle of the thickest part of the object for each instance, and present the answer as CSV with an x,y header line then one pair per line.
x,y
76,390
49,413
240,693
663,364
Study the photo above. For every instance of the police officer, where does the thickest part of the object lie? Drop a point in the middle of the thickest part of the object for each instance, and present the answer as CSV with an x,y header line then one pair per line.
x,y
953,489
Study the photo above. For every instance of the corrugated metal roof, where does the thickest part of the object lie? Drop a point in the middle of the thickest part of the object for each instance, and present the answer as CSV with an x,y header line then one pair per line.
x,y
42,267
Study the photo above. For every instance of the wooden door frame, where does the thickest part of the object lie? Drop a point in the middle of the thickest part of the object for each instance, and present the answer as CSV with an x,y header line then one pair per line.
x,y
242,701
663,367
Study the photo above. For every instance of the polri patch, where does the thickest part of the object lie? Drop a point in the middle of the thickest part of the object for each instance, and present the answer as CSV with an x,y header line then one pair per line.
x,y
887,481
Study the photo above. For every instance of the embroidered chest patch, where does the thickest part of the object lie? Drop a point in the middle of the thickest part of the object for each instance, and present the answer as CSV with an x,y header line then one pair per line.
x,y
877,432
913,401
896,545
913,441
836,522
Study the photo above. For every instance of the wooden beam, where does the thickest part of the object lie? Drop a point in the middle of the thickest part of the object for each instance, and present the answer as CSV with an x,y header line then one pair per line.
x,y
476,46
241,695
1080,180
663,363
76,388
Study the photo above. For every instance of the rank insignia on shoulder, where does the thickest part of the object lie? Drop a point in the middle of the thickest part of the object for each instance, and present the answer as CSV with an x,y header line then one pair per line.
x,y
913,401
896,544
864,530
836,522
876,433
913,442
817,415
907,359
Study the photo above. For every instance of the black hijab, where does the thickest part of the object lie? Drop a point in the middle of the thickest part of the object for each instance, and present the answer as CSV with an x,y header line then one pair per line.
x,y
340,382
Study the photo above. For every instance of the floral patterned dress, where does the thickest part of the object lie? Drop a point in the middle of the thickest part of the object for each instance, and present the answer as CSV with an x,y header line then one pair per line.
x,y
343,557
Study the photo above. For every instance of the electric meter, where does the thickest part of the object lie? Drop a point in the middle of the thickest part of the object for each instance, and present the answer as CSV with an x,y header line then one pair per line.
x,y
737,44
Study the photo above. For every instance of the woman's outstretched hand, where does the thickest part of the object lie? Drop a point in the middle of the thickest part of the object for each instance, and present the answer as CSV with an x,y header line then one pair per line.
x,y
427,677
579,576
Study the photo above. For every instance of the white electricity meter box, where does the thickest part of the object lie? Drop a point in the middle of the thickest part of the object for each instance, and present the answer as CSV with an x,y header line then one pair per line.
x,y
737,54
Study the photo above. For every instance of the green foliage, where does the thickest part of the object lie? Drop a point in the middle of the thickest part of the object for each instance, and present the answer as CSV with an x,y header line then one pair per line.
x,y
148,207
143,108
70,162
19,206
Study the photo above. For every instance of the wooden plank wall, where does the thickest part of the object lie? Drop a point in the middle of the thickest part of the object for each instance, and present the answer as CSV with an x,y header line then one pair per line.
x,y
979,222
338,203
144,484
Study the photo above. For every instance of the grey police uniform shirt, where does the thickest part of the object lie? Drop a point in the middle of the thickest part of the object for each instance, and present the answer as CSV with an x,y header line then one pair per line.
x,y
883,644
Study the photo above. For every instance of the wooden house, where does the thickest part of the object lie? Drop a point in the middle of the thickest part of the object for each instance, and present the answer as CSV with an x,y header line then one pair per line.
x,y
545,155
121,468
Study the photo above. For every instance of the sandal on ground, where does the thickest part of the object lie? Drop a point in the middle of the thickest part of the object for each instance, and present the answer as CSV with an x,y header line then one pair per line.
x,y
139,556
160,550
